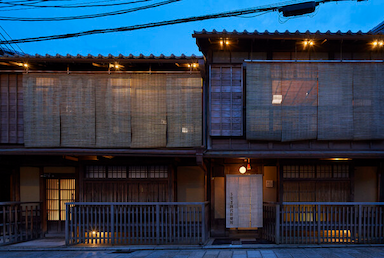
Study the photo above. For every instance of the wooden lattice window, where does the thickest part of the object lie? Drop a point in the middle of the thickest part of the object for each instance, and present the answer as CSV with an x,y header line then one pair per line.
x,y
121,172
319,171
59,192
226,95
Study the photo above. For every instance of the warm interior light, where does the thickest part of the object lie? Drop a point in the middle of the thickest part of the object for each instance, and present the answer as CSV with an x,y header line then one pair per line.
x,y
311,43
221,42
194,65
277,99
381,43
189,65
94,232
249,166
227,42
25,65
242,169
117,66
375,43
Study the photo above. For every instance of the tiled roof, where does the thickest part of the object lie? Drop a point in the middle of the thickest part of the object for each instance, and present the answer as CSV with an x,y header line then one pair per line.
x,y
120,56
278,33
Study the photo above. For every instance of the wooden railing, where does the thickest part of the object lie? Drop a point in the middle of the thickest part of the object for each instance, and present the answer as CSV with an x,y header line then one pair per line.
x,y
137,223
19,221
324,222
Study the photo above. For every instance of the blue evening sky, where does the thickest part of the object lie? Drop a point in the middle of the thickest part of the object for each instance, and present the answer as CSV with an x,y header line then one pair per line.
x,y
177,39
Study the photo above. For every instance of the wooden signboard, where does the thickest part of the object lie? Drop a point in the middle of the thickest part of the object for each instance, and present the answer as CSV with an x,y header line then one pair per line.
x,y
244,201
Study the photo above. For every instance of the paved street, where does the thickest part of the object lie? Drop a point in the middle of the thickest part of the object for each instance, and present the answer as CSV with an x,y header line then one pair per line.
x,y
359,252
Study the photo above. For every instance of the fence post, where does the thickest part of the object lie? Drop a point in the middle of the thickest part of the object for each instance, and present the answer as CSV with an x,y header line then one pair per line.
x,y
157,224
360,222
318,223
66,224
203,224
277,226
112,224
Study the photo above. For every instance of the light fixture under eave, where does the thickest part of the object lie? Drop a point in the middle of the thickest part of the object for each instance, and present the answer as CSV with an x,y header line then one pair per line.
x,y
337,159
242,169
377,43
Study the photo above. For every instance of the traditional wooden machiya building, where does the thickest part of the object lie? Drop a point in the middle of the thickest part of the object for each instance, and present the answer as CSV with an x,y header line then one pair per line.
x,y
274,136
124,129
294,121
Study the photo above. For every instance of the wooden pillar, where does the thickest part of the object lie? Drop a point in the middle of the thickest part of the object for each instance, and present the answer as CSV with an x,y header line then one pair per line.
x,y
80,183
44,214
15,185
381,181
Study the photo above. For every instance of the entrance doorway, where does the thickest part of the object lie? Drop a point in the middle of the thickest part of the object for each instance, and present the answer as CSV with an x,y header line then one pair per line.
x,y
58,192
244,201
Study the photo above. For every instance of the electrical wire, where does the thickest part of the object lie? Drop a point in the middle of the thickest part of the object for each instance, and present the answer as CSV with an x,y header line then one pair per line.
x,y
90,16
268,8
11,39
33,6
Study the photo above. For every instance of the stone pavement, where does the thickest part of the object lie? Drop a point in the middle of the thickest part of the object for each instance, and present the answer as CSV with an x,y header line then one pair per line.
x,y
55,248
345,252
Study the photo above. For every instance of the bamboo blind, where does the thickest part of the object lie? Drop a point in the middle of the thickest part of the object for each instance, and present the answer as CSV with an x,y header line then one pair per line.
x,y
299,105
335,102
77,111
184,109
368,95
42,95
113,112
137,111
149,119
324,101
263,118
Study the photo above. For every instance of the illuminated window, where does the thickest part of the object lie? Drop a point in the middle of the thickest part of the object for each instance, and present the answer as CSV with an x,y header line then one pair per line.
x,y
277,99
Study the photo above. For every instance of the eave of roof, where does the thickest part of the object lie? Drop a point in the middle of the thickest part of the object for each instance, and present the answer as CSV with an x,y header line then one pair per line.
x,y
100,57
285,34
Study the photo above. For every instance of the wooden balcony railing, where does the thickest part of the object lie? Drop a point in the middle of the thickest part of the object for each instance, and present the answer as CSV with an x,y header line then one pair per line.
x,y
19,221
137,223
324,222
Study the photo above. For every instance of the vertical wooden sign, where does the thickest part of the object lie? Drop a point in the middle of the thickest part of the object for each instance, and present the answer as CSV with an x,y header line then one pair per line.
x,y
244,201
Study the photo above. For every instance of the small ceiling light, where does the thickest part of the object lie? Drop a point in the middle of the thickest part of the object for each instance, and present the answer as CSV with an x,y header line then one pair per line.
x,y
25,65
242,169
308,43
378,43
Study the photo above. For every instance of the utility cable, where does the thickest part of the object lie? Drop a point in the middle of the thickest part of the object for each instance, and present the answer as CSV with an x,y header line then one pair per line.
x,y
274,7
90,16
33,6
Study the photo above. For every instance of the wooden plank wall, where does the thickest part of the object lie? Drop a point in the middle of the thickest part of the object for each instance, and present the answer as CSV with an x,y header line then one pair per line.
x,y
11,109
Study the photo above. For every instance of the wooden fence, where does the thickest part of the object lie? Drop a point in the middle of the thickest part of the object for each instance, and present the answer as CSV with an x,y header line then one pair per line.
x,y
137,223
324,223
19,221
